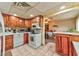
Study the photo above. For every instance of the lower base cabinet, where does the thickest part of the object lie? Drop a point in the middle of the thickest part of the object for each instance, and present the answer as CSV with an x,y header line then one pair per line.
x,y
65,48
25,38
64,45
8,42
13,41
58,44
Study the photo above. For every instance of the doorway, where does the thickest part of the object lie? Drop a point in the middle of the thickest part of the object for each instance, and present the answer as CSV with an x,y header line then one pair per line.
x,y
48,34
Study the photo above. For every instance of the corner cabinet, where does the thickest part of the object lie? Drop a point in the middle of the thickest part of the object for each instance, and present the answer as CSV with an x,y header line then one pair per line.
x,y
64,45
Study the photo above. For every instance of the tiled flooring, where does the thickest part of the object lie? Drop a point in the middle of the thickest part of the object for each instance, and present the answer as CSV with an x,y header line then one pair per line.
x,y
25,50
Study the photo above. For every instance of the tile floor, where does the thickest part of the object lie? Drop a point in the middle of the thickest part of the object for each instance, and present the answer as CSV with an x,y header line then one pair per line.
x,y
26,50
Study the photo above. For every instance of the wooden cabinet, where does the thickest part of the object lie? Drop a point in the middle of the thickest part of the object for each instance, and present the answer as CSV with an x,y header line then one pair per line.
x,y
25,38
58,44
65,48
64,45
6,20
13,22
72,51
28,23
8,42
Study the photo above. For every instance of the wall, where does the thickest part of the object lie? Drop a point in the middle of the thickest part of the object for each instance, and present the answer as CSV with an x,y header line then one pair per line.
x,y
63,25
77,24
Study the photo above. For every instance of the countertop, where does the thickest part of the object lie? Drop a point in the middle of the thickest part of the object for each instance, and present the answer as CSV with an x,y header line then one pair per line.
x,y
69,33
10,33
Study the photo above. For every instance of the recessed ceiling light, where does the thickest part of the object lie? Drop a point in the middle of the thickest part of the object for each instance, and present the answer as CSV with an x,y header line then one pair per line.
x,y
62,7
14,15
37,18
20,20
31,15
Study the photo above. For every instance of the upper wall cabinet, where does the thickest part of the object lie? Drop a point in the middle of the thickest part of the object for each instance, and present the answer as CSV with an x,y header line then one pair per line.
x,y
6,20
28,23
14,22
21,23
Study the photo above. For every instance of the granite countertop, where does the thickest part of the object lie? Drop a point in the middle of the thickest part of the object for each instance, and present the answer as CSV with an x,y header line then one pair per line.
x,y
69,33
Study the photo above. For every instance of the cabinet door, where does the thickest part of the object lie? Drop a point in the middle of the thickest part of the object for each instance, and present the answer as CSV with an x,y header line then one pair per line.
x,y
28,23
72,51
25,38
21,23
58,44
8,42
65,47
6,20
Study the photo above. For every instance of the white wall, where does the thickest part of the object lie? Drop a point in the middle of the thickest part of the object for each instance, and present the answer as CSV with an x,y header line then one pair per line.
x,y
3,31
63,25
77,24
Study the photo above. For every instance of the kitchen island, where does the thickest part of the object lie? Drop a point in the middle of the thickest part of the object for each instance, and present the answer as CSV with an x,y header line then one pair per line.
x,y
67,43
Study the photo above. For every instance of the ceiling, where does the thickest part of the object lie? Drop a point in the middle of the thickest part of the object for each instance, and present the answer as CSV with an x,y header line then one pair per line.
x,y
65,14
35,8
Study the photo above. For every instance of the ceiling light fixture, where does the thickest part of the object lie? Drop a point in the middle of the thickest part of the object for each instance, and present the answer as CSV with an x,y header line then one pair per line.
x,y
62,7
14,15
20,20
31,15
37,18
